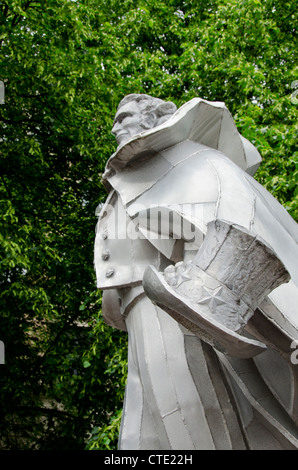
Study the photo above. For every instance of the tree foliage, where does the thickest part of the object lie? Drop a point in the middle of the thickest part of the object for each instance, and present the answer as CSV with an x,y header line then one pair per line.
x,y
66,65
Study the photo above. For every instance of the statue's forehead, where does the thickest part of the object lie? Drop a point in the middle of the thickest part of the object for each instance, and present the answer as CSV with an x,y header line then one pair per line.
x,y
131,107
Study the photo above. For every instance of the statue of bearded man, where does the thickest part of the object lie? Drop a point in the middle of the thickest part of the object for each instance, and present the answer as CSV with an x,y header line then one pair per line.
x,y
197,262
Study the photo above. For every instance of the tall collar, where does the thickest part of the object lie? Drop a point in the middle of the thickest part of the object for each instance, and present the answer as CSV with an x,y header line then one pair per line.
x,y
198,120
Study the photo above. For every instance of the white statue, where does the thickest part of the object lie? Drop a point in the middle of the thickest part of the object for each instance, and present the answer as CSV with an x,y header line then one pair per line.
x,y
198,263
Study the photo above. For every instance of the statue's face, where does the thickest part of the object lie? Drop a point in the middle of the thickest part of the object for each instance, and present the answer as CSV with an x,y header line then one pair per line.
x,y
130,121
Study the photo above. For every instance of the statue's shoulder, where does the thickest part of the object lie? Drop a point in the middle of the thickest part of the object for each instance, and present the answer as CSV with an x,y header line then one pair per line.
x,y
188,161
187,172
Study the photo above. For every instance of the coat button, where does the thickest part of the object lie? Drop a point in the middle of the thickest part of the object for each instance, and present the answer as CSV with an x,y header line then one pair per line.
x,y
106,255
110,272
104,235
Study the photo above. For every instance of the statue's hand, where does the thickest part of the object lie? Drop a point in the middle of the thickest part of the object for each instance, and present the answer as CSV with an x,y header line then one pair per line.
x,y
177,273
216,293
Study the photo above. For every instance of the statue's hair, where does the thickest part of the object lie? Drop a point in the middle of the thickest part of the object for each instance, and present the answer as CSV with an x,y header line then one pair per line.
x,y
148,104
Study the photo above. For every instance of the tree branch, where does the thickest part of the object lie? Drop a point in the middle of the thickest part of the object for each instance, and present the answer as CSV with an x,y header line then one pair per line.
x,y
6,187
53,411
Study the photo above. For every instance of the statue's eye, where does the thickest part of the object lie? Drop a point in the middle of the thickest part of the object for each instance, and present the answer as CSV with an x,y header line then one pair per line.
x,y
123,116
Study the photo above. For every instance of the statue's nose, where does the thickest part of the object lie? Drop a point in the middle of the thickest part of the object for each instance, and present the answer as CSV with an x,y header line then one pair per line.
x,y
116,127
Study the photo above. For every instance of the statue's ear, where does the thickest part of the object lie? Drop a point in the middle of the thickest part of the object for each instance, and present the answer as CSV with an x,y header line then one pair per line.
x,y
149,120
166,108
